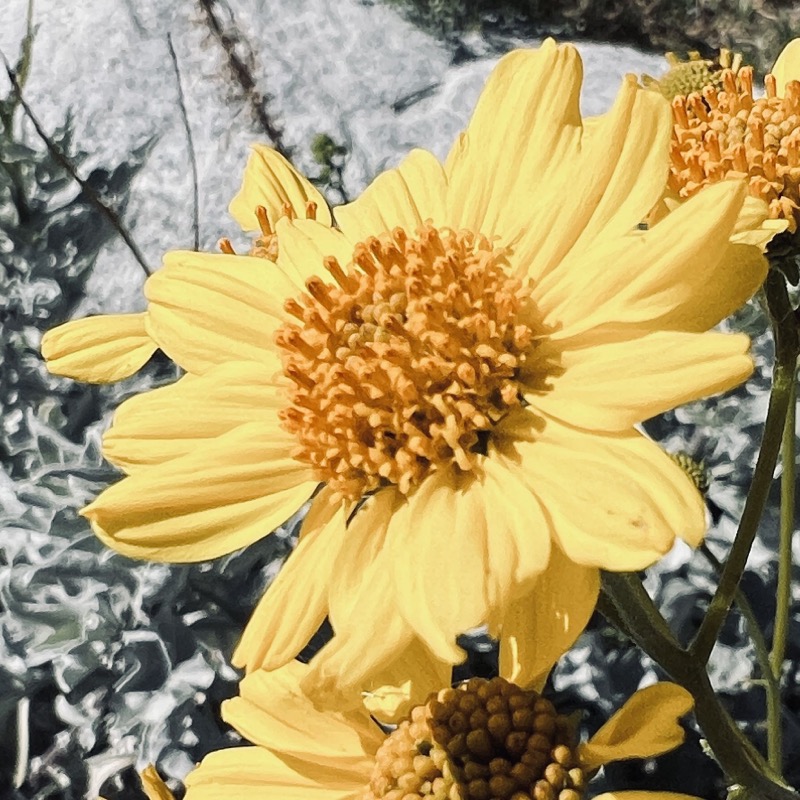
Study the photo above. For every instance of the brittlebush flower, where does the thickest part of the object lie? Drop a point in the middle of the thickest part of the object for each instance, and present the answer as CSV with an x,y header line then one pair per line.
x,y
724,131
482,739
460,363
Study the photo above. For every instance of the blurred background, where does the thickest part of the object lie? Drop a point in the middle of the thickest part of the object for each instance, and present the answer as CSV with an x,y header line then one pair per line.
x,y
145,110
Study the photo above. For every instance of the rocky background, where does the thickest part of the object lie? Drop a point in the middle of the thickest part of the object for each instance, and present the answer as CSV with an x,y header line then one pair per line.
x,y
107,664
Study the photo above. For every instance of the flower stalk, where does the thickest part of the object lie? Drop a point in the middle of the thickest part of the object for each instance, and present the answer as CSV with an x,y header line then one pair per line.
x,y
786,351
642,621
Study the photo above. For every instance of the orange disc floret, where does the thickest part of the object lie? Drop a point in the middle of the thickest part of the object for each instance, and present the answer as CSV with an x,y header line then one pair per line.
x,y
729,133
404,362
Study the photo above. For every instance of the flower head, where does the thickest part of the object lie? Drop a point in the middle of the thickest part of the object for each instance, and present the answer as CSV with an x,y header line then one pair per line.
x,y
693,74
724,131
482,739
460,361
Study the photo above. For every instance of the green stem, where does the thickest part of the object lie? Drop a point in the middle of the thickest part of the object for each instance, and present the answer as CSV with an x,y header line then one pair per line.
x,y
786,349
783,593
644,624
753,628
771,685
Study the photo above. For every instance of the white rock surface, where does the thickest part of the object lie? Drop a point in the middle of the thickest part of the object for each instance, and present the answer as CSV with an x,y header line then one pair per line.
x,y
333,66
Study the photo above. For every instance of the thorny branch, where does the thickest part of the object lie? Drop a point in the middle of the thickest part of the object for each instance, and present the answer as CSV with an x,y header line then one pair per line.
x,y
64,162
243,75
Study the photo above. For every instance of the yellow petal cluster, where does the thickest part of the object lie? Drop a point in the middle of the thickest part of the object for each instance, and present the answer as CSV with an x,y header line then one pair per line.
x,y
423,365
479,740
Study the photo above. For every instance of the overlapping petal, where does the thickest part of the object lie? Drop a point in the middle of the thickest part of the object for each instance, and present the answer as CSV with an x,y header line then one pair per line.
x,y
616,177
618,506
207,309
451,516
272,182
404,197
525,131
100,349
211,501
173,420
273,712
255,773
296,602
613,385
541,625
683,274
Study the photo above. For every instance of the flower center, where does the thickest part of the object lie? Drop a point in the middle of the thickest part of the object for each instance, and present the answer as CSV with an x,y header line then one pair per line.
x,y
693,74
482,740
728,133
405,363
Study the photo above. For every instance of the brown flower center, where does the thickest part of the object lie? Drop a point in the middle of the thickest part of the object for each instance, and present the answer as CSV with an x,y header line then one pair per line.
x,y
402,364
484,740
728,133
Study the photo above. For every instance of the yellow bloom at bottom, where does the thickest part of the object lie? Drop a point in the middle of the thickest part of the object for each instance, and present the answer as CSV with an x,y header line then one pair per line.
x,y
483,739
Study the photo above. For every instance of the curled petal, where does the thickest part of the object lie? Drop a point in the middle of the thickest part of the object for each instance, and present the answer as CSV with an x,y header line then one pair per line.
x,y
646,726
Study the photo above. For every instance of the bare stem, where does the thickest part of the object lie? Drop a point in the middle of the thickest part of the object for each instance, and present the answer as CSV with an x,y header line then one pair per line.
x,y
786,349
190,143
783,596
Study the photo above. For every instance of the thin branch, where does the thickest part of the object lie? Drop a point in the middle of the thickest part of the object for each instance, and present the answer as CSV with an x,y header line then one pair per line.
x,y
244,77
190,142
63,161
783,376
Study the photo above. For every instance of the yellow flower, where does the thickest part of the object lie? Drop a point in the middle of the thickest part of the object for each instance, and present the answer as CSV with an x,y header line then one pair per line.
x,y
468,351
693,74
482,739
725,132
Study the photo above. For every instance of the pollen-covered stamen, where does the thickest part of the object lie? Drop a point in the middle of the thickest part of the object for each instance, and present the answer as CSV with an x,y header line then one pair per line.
x,y
484,740
226,247
728,133
412,352
266,245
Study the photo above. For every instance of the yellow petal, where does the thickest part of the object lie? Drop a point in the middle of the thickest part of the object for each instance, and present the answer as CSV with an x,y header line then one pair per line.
x,y
304,245
636,497
787,66
646,726
493,540
153,786
171,421
361,601
518,532
540,626
524,130
391,693
296,602
271,181
254,773
404,197
206,309
615,179
683,274
98,349
753,225
646,796
613,386
273,712
212,501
